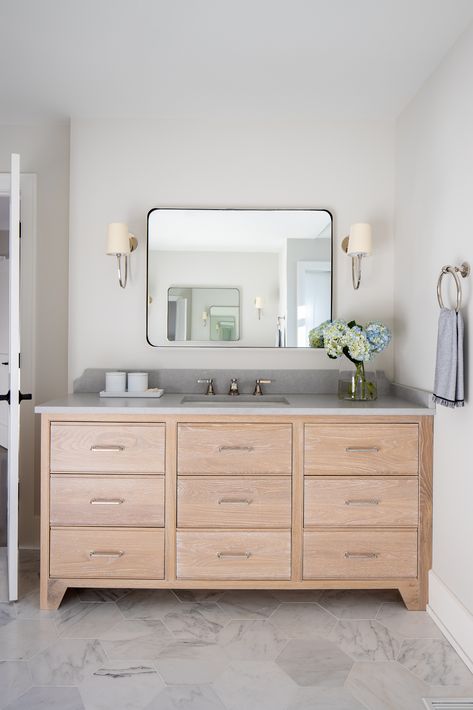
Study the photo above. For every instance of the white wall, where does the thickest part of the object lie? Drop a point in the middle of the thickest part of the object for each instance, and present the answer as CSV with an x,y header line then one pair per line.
x,y
121,169
434,198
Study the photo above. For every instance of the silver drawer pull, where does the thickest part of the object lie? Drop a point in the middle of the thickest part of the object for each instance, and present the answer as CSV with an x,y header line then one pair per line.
x,y
106,501
361,555
236,501
233,555
106,553
362,502
98,447
235,448
362,449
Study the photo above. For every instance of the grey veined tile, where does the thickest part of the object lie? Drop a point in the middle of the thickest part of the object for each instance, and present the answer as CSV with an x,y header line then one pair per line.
x,y
366,640
302,620
435,662
15,679
28,606
201,622
248,604
315,662
86,619
7,613
48,699
297,595
101,595
252,640
255,685
21,639
122,686
198,595
386,686
141,639
186,697
67,662
190,662
356,603
410,624
325,699
147,603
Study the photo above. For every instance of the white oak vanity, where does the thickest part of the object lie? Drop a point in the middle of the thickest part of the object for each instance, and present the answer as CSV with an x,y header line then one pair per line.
x,y
319,494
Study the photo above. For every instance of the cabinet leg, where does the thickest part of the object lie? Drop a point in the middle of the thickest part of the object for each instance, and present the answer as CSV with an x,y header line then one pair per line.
x,y
414,595
51,594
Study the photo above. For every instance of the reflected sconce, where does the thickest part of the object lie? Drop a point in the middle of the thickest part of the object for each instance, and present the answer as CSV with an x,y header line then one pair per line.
x,y
259,303
121,243
205,317
357,245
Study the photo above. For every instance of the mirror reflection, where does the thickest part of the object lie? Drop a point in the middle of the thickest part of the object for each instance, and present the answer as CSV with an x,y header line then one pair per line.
x,y
238,278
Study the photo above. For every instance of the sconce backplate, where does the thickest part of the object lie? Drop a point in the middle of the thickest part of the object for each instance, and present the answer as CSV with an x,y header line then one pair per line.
x,y
345,244
133,242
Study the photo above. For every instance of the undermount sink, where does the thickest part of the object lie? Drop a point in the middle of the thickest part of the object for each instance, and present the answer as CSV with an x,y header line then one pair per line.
x,y
242,400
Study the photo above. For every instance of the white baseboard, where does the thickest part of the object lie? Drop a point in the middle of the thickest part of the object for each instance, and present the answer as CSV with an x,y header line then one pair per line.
x,y
453,619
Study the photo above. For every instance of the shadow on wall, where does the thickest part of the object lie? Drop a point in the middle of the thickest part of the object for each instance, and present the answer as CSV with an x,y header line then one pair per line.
x,y
3,496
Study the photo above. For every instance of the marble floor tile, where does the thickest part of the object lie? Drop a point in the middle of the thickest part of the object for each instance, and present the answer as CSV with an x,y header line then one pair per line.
x,y
198,595
366,640
435,662
101,595
67,662
7,613
141,639
28,571
27,607
87,619
255,685
15,679
297,595
186,697
252,640
356,603
201,622
21,639
48,699
410,624
325,699
248,604
315,662
121,686
386,686
303,620
190,662
148,603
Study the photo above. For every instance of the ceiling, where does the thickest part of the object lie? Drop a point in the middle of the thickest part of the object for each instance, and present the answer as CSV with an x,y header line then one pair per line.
x,y
239,59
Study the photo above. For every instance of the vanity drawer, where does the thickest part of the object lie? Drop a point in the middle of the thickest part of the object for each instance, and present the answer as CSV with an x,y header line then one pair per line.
x,y
369,449
233,555
390,501
107,500
234,448
107,552
231,502
111,448
359,554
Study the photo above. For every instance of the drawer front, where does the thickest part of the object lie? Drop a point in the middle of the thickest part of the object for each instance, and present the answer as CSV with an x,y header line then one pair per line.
x,y
369,449
231,502
107,500
234,448
233,555
391,501
107,552
107,448
360,554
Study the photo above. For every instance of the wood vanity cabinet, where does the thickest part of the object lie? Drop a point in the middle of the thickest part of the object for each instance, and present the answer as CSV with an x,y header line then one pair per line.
x,y
236,501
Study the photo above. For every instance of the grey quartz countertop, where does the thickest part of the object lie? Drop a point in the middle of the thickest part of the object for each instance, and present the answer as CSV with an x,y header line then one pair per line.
x,y
317,404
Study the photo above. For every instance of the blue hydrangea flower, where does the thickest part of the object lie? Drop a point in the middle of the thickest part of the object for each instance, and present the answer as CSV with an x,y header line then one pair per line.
x,y
379,336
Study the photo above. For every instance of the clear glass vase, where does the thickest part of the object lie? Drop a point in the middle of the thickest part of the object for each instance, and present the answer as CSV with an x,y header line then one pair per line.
x,y
358,383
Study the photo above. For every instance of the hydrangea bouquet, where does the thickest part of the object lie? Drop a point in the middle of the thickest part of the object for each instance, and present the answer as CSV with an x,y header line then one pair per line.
x,y
359,344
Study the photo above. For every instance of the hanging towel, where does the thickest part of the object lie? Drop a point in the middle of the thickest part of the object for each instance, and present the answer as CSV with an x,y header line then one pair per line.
x,y
448,386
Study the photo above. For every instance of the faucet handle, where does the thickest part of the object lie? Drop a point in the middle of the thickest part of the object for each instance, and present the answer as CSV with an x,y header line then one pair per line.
x,y
207,381
258,390
234,387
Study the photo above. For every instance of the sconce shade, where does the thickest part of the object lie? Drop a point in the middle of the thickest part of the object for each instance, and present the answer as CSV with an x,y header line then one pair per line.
x,y
359,241
118,239
259,302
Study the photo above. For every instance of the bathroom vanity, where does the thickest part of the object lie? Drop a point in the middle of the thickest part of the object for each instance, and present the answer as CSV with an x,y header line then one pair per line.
x,y
305,493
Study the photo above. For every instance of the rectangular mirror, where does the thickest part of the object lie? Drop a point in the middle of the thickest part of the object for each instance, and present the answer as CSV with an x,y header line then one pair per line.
x,y
238,278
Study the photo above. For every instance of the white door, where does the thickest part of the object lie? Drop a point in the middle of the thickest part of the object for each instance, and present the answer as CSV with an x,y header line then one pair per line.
x,y
10,399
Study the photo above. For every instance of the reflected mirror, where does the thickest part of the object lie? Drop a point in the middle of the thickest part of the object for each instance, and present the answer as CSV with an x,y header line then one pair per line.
x,y
238,278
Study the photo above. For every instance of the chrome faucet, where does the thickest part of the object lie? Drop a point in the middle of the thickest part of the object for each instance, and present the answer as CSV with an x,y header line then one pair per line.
x,y
210,385
234,387
258,390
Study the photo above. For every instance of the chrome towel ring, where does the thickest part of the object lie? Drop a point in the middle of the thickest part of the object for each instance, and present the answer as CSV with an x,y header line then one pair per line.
x,y
464,271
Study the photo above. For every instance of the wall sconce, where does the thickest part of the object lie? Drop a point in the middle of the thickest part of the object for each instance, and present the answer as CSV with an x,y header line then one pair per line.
x,y
259,303
120,243
357,245
205,317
